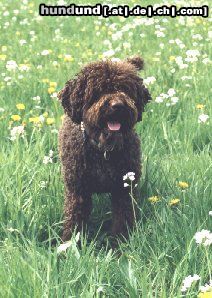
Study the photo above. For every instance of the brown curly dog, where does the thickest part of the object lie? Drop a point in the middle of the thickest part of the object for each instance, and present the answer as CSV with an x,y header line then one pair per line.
x,y
108,98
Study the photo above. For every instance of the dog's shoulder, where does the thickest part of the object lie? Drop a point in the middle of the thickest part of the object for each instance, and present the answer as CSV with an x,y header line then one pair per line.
x,y
71,138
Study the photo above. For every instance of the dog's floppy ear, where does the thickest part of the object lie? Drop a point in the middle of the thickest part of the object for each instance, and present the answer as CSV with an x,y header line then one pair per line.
x,y
143,97
71,97
136,61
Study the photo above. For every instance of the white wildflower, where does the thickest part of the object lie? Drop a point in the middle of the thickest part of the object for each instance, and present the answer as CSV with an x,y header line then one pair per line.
x,y
206,60
186,78
45,52
159,34
61,2
17,131
54,63
171,92
36,98
158,99
64,246
54,95
203,118
192,53
117,35
203,237
11,65
43,184
51,152
187,282
23,67
197,36
149,80
41,117
206,287
115,59
22,42
210,213
126,45
54,130
191,59
174,100
47,159
108,53
129,176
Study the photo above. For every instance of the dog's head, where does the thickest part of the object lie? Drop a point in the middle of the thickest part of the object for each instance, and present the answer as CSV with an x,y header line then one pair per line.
x,y
109,97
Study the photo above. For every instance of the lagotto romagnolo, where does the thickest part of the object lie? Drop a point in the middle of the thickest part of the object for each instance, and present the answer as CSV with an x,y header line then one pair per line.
x,y
107,98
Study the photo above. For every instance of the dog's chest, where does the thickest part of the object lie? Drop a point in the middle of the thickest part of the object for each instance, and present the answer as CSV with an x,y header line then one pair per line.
x,y
104,174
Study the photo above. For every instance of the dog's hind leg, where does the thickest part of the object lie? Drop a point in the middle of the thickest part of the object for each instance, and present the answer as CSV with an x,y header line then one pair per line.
x,y
76,211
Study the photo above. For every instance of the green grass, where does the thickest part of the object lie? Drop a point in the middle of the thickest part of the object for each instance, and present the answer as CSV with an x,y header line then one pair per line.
x,y
161,251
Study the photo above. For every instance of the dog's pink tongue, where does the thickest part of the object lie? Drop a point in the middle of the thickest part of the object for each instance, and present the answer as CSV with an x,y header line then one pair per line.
x,y
114,125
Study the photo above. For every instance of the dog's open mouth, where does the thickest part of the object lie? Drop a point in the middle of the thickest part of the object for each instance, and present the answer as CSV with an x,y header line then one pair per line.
x,y
113,126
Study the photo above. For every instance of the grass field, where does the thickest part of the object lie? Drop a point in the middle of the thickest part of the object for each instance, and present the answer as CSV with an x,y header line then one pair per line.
x,y
37,56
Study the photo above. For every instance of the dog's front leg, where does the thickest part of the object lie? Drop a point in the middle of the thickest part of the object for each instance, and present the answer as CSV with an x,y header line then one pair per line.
x,y
123,212
77,209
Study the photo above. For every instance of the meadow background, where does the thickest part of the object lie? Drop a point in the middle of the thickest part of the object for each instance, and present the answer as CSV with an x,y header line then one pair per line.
x,y
37,56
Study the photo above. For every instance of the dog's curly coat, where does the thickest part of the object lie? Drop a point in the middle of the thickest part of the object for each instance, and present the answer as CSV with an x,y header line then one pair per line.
x,y
109,98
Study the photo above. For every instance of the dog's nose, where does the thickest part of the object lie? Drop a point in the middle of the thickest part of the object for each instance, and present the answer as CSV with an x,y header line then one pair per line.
x,y
116,104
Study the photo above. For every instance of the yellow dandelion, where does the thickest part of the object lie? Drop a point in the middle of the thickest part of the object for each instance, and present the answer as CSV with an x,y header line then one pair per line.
x,y
174,202
45,114
50,121
20,106
3,57
198,21
205,295
171,58
53,84
45,80
183,185
100,56
34,120
68,58
51,90
15,117
200,106
154,199
4,48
